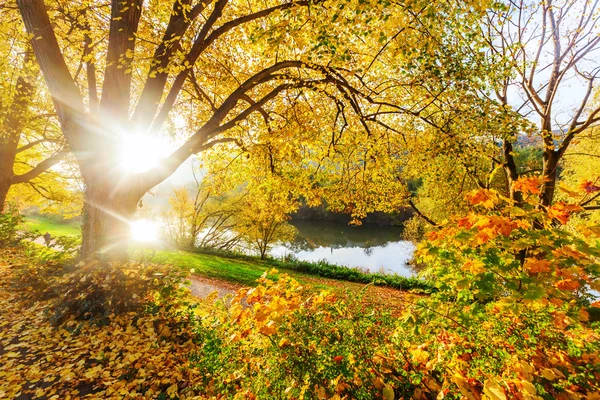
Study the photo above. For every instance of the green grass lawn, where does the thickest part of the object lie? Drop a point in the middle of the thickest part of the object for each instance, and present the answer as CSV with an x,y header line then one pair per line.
x,y
212,266
55,227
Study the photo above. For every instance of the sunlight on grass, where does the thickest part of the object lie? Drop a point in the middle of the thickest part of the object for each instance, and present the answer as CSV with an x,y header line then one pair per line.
x,y
56,228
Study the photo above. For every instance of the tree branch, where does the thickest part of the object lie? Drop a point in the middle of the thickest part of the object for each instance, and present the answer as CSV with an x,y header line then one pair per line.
x,y
116,90
202,43
420,214
64,91
39,169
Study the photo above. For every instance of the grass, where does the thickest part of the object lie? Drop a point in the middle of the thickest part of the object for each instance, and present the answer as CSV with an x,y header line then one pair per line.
x,y
246,269
245,272
54,226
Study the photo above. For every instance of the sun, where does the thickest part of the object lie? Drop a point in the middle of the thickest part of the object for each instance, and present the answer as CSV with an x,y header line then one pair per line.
x,y
140,153
144,230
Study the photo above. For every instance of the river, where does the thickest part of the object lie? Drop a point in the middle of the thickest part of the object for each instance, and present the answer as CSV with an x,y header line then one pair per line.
x,y
368,247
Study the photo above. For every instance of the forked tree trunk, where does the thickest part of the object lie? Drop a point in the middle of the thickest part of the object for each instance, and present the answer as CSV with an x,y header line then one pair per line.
x,y
108,210
10,131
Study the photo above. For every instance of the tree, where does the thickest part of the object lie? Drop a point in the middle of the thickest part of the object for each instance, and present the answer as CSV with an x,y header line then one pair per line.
x,y
203,218
29,142
540,47
110,199
505,105
262,226
221,63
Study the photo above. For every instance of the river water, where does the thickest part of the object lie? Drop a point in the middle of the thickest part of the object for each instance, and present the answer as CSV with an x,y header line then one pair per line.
x,y
368,247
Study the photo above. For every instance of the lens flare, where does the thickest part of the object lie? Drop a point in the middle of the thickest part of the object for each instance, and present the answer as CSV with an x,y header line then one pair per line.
x,y
140,153
144,231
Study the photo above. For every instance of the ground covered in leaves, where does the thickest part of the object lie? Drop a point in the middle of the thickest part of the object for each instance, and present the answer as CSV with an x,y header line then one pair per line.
x,y
144,352
133,331
135,355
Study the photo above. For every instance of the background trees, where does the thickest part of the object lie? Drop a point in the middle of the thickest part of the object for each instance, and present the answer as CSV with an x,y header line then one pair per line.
x,y
348,117
30,140
544,47
204,215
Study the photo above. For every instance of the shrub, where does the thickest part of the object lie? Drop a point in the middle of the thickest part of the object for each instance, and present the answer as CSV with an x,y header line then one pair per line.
x,y
10,224
509,319
95,291
279,340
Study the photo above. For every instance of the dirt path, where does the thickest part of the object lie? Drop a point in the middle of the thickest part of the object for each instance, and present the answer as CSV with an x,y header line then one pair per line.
x,y
202,286
390,298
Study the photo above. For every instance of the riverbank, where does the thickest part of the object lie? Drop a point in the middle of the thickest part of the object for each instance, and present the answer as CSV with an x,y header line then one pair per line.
x,y
239,268
245,270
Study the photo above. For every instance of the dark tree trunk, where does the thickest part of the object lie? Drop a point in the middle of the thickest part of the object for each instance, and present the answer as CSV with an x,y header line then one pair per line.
x,y
4,186
549,173
7,159
512,174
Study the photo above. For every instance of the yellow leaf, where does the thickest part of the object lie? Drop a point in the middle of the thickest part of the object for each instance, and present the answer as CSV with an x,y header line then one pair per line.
x,y
528,388
172,390
321,393
547,373
420,356
387,393
474,266
493,390
268,329
570,193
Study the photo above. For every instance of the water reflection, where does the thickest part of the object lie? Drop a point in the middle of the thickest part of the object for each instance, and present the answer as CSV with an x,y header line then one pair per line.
x,y
373,248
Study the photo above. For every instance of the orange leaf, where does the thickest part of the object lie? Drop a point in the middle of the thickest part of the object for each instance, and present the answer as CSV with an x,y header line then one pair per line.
x,y
567,284
528,185
535,266
486,198
562,211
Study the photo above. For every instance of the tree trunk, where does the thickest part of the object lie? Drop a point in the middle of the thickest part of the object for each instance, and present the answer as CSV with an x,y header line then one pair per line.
x,y
4,186
510,167
10,132
107,212
549,173
7,159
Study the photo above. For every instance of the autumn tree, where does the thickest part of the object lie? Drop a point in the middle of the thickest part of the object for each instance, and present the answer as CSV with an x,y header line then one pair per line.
x,y
202,215
542,49
262,227
509,100
226,65
30,141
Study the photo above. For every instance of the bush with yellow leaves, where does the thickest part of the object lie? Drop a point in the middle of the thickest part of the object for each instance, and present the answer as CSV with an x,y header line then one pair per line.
x,y
280,340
